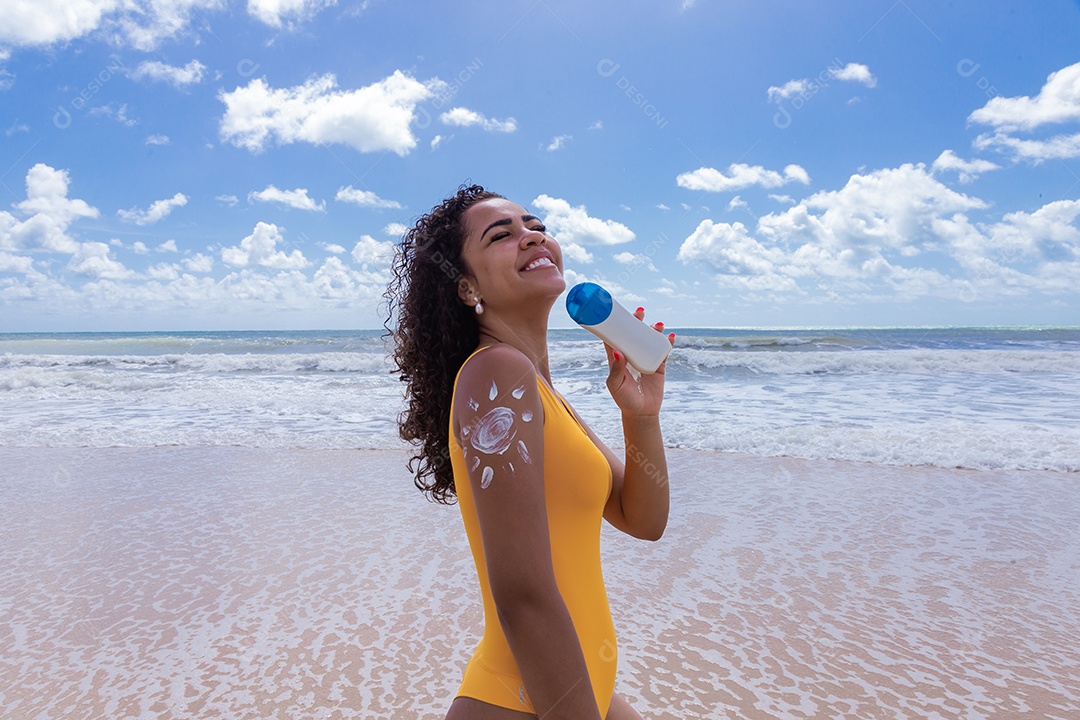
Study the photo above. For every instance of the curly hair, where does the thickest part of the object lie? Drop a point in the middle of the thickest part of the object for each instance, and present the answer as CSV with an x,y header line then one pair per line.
x,y
435,333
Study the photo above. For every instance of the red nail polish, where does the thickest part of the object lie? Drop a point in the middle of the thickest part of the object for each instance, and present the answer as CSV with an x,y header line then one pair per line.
x,y
617,356
641,309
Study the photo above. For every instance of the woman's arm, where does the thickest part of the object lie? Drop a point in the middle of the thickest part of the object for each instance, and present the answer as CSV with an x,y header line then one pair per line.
x,y
639,500
501,429
638,504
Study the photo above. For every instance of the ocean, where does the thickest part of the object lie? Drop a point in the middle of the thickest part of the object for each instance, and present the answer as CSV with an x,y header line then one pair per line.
x,y
205,525
976,398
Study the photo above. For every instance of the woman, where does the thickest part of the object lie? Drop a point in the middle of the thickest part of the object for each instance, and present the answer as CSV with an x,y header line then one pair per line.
x,y
474,283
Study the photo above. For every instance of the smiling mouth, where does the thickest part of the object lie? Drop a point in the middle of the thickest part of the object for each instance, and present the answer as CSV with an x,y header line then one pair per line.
x,y
538,263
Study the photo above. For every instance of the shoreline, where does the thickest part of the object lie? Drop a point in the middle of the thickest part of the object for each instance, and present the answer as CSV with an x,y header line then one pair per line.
x,y
762,328
211,581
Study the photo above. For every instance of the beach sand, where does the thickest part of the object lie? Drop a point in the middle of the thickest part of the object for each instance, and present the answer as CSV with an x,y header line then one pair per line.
x,y
225,582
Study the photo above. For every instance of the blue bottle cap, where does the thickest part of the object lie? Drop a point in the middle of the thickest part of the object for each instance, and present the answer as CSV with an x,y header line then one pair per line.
x,y
588,303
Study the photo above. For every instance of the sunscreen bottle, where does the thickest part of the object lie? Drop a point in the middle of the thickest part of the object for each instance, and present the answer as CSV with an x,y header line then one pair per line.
x,y
593,308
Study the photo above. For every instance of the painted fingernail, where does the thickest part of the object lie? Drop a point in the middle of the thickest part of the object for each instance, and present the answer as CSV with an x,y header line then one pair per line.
x,y
641,309
617,356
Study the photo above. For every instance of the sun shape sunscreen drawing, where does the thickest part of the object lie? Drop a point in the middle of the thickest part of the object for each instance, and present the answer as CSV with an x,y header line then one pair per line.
x,y
492,434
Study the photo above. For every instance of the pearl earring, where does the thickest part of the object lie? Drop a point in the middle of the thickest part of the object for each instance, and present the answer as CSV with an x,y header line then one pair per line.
x,y
478,308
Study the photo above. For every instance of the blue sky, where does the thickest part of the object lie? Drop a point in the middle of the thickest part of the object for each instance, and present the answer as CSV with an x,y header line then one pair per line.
x,y
203,164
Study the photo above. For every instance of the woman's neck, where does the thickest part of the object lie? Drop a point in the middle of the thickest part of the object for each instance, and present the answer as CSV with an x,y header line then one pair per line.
x,y
531,340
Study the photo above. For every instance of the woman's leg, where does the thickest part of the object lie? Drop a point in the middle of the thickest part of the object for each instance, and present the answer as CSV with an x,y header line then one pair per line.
x,y
621,710
464,708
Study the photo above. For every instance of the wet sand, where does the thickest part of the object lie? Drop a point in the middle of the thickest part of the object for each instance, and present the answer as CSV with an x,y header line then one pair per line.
x,y
248,583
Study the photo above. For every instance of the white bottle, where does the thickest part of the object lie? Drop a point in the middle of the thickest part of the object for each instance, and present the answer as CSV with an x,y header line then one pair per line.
x,y
593,308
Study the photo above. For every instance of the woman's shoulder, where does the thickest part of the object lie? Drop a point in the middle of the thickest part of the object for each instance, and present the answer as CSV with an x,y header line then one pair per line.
x,y
495,376
493,370
493,362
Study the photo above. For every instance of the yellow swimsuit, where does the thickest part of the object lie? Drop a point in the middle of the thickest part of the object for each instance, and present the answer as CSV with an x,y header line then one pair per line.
x,y
577,483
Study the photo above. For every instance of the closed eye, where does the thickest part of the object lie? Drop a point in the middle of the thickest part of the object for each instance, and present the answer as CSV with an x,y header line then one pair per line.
x,y
503,235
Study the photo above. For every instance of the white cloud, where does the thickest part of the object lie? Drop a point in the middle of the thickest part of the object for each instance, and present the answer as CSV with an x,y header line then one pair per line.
x,y
91,283
740,176
371,119
890,208
967,170
893,234
737,202
163,271
559,142
855,72
199,263
282,13
1057,102
189,74
729,250
15,263
44,22
635,261
662,206
463,117
260,248
49,214
807,87
598,125
333,248
395,229
229,200
297,198
145,23
140,23
158,140
1050,234
118,113
369,251
157,210
46,193
436,141
576,253
364,198
334,279
1059,147
573,224
788,89
95,260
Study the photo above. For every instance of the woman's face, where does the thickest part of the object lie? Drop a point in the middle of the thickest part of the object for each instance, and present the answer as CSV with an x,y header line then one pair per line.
x,y
511,257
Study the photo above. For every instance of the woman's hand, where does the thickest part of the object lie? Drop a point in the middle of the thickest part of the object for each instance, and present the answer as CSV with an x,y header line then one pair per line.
x,y
636,397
